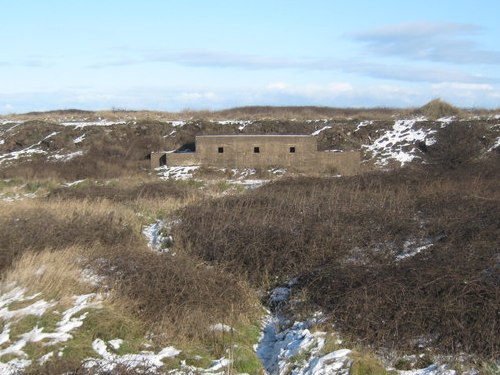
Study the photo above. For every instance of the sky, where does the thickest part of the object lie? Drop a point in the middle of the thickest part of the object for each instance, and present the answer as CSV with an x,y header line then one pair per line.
x,y
173,55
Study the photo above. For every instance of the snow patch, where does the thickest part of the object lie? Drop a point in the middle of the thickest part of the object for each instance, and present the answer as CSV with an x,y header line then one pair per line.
x,y
116,343
495,145
26,151
321,130
110,361
16,197
446,120
220,327
281,344
398,144
153,234
7,121
431,370
362,124
100,122
73,183
176,173
79,139
66,157
177,123
70,321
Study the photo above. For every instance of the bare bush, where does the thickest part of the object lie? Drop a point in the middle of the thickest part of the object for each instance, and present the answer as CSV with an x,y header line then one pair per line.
x,y
457,145
341,238
179,295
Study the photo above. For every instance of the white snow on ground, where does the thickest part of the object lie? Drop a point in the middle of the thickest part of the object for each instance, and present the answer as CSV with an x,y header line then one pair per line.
x,y
280,345
109,361
412,248
446,120
242,123
495,145
298,350
169,134
399,143
176,173
278,348
156,240
177,123
431,370
66,157
70,320
320,130
2,141
79,139
362,124
26,151
220,327
16,197
116,343
249,184
7,121
317,120
73,183
83,124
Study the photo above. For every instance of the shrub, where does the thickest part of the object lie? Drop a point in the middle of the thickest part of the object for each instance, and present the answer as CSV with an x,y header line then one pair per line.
x,y
457,145
340,237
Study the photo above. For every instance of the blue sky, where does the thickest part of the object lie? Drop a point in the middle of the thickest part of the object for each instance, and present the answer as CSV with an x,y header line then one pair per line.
x,y
213,54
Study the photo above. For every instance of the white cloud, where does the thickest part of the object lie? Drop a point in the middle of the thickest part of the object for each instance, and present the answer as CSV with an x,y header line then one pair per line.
x,y
428,41
311,90
463,86
195,96
7,108
277,86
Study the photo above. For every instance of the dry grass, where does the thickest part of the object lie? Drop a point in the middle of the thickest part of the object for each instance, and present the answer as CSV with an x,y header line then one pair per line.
x,y
34,225
438,108
180,296
252,112
53,273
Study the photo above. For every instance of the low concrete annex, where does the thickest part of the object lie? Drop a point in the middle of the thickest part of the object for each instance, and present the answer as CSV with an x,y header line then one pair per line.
x,y
295,152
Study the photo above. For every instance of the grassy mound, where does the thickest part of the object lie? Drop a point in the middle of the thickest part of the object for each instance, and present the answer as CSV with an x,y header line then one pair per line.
x,y
438,108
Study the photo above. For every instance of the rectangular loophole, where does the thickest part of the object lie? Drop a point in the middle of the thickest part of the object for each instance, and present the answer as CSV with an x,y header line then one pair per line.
x,y
220,150
256,150
292,150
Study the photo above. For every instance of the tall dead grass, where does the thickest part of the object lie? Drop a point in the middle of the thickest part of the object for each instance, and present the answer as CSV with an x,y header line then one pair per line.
x,y
33,225
56,274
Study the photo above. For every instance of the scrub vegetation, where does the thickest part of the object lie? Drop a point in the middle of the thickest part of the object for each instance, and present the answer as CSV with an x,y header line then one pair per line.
x,y
403,260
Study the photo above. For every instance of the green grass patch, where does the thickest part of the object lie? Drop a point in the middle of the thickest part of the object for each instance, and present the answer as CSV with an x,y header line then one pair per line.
x,y
9,183
7,357
331,344
109,323
366,364
242,341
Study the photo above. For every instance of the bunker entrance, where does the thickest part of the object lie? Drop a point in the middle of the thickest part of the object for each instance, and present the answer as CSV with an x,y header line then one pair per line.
x,y
163,160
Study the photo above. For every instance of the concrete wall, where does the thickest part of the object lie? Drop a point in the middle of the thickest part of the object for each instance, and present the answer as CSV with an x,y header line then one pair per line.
x,y
229,151
239,151
345,163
